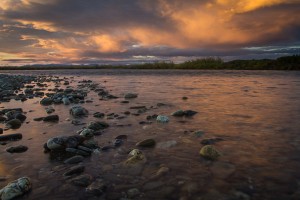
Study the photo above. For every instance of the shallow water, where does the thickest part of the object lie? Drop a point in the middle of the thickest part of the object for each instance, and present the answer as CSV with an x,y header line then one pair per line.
x,y
257,114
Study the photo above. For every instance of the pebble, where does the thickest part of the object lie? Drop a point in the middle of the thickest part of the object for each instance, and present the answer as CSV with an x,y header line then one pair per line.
x,y
14,124
209,152
51,118
11,137
162,119
130,95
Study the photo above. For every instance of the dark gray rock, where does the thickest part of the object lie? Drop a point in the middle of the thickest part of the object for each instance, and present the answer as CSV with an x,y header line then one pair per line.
x,y
97,188
98,115
14,124
17,149
1,131
74,170
77,151
51,118
130,95
74,160
11,137
46,101
78,111
97,125
83,180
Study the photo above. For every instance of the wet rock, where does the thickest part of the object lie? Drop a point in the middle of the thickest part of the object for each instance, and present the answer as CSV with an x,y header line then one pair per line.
x,y
74,160
11,137
15,188
136,157
184,98
86,149
121,137
97,125
117,142
209,141
87,133
14,124
178,113
209,152
83,180
162,119
131,193
78,111
130,95
17,149
2,119
189,113
77,151
91,143
50,110
38,119
56,143
20,117
98,115
46,101
167,144
74,170
66,101
1,131
97,188
51,118
146,143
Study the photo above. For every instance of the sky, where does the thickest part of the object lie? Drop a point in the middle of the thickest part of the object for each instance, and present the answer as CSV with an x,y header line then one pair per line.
x,y
133,31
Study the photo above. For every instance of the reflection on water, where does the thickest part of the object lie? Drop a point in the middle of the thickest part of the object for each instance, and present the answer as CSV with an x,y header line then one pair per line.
x,y
256,113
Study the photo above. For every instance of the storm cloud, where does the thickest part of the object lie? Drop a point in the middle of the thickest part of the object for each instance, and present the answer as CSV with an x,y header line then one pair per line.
x,y
77,31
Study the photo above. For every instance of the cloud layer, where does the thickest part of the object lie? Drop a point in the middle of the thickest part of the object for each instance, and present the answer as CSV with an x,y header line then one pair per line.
x,y
78,31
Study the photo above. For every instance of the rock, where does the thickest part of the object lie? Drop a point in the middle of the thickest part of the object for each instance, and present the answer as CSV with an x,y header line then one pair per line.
x,y
1,130
14,124
117,142
17,149
162,119
91,143
136,157
87,133
2,119
189,113
56,143
74,160
160,172
208,141
51,118
131,193
78,111
130,95
184,98
199,133
38,119
86,149
121,137
222,169
66,101
46,101
50,110
97,125
20,117
167,144
209,152
98,115
11,137
74,170
146,143
83,180
98,187
178,113
77,151
15,188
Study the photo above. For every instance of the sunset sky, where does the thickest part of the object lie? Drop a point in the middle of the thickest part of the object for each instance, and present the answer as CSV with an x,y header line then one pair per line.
x,y
98,31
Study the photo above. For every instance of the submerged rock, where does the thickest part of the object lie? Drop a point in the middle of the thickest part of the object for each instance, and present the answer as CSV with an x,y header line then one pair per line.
x,y
15,188
74,170
98,187
181,113
146,143
209,152
17,149
74,160
137,157
162,119
83,180
78,111
14,124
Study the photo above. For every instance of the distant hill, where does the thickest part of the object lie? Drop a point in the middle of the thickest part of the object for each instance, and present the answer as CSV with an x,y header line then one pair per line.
x,y
282,63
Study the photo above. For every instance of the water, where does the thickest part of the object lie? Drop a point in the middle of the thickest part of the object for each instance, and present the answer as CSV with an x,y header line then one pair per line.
x,y
257,114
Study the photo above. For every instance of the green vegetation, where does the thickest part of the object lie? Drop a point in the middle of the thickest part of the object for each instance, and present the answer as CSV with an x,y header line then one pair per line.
x,y
282,63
